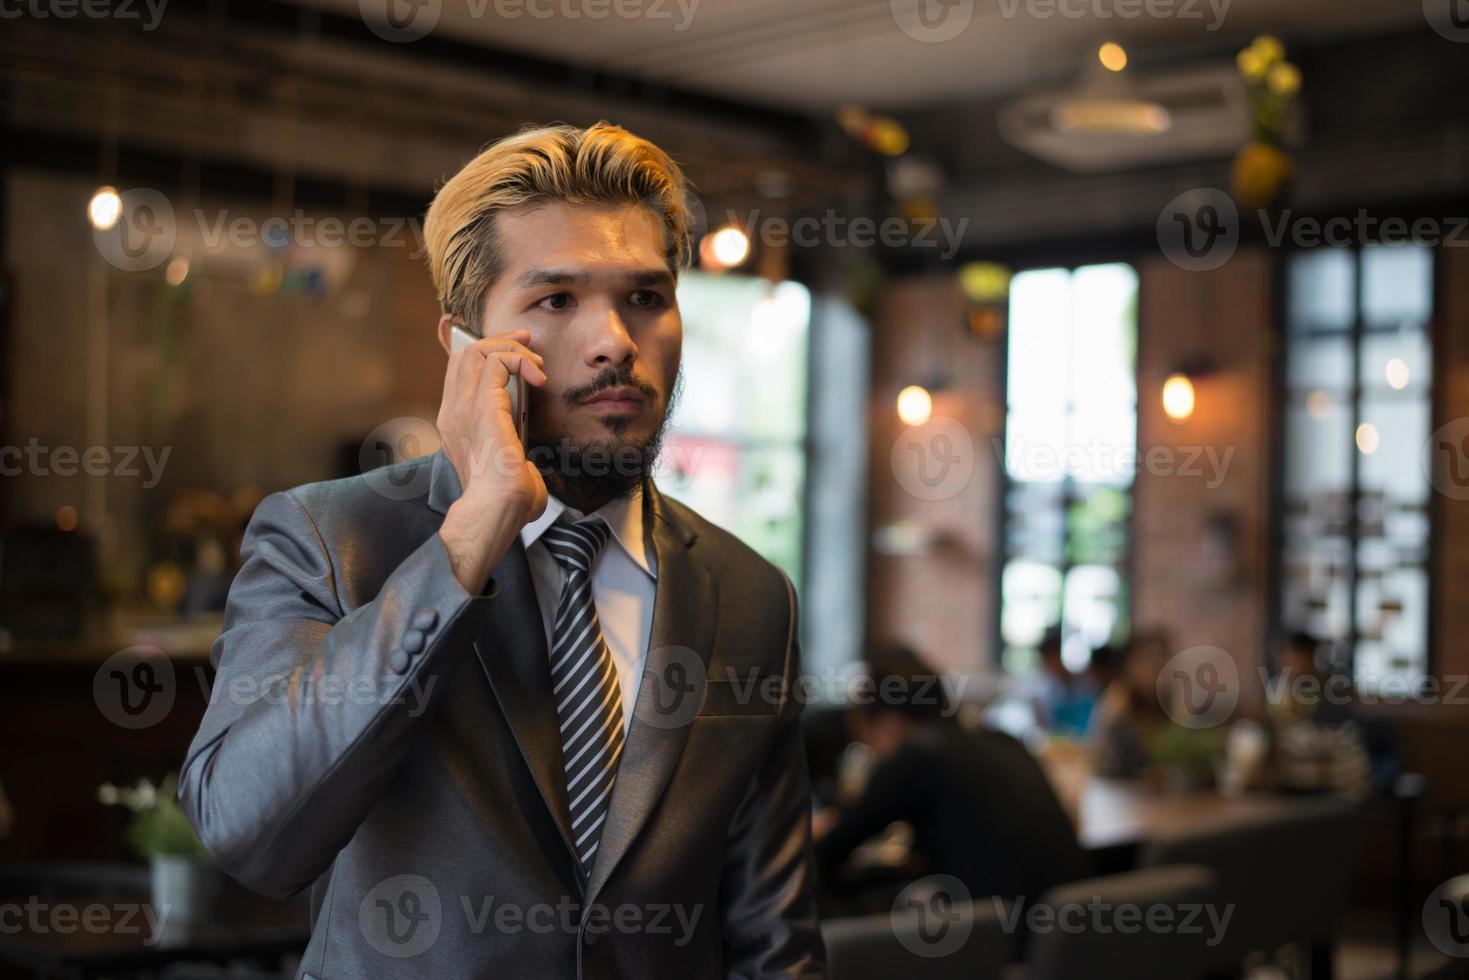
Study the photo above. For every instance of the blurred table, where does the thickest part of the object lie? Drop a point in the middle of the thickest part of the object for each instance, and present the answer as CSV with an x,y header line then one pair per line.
x,y
98,920
1118,813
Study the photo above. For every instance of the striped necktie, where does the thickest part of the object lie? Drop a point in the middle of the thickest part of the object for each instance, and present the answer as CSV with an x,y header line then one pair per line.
x,y
584,685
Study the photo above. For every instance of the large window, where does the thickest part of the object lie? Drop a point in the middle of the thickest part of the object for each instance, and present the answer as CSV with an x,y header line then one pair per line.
x,y
735,449
1070,452
1358,369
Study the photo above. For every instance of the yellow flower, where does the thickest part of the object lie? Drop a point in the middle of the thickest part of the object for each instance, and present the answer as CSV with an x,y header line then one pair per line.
x,y
889,137
1269,48
1259,174
984,282
1284,79
1251,64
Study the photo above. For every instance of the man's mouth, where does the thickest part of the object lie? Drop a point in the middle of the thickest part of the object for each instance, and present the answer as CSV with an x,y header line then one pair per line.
x,y
615,401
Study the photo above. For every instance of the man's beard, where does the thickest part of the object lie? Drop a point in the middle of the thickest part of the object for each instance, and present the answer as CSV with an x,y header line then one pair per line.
x,y
589,474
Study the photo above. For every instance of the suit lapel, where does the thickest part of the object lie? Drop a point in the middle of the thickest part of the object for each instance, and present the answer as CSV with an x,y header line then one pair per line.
x,y
512,651
679,645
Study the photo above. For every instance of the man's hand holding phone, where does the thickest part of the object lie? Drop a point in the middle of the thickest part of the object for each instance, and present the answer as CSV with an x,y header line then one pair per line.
x,y
501,489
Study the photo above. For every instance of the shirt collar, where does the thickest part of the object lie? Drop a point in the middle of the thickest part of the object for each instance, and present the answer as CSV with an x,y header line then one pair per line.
x,y
624,516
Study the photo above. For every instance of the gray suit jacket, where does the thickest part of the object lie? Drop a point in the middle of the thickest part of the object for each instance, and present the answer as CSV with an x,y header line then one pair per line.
x,y
378,734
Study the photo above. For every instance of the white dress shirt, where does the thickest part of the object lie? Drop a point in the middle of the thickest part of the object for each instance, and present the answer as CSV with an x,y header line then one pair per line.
x,y
624,583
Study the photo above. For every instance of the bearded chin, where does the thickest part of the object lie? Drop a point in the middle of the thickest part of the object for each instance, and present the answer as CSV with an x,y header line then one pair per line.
x,y
588,474
591,473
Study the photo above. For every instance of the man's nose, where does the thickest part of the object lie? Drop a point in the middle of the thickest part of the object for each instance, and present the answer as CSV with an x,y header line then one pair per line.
x,y
612,343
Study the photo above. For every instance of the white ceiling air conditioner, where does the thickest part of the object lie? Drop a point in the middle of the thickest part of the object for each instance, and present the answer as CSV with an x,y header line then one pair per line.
x,y
1113,121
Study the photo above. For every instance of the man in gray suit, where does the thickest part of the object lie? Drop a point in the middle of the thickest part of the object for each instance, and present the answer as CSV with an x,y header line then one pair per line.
x,y
507,710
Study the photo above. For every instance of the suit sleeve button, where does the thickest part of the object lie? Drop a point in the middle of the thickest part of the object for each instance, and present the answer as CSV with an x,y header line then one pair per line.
x,y
425,619
413,641
398,662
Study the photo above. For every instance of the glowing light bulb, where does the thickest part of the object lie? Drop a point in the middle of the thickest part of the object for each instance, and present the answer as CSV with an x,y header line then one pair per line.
x,y
177,271
1112,56
1178,397
1367,438
1397,373
104,208
915,405
730,246
1318,404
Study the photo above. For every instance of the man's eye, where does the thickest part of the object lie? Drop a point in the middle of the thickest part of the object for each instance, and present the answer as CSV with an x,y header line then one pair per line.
x,y
648,298
556,301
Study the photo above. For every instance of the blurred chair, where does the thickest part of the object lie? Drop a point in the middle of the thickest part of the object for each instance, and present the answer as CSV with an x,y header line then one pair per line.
x,y
1101,945
1287,878
884,947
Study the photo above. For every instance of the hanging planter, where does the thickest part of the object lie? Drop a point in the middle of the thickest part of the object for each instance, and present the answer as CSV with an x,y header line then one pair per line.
x,y
1262,168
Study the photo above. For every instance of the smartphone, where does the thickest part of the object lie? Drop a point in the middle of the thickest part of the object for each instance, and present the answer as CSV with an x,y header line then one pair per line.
x,y
519,400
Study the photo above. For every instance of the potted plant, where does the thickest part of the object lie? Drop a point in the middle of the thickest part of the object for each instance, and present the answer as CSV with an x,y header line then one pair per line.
x,y
1263,168
184,881
1184,758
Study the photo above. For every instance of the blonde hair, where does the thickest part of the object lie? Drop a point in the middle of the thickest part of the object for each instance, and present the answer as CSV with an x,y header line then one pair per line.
x,y
599,164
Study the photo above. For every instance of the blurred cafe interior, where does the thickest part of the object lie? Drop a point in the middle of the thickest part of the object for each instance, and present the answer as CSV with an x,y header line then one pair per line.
x,y
1098,372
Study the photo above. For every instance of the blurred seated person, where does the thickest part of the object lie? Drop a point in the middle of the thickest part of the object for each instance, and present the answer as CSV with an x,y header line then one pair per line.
x,y
1104,666
979,804
1063,700
1321,743
824,732
1130,714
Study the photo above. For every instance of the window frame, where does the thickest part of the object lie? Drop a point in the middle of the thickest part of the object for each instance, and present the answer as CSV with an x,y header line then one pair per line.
x,y
1276,624
1001,553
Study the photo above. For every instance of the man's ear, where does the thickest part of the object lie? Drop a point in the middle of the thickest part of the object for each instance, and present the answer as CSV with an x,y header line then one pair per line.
x,y
446,323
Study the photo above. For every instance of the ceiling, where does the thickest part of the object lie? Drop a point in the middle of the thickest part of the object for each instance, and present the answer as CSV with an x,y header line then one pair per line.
x,y
813,55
